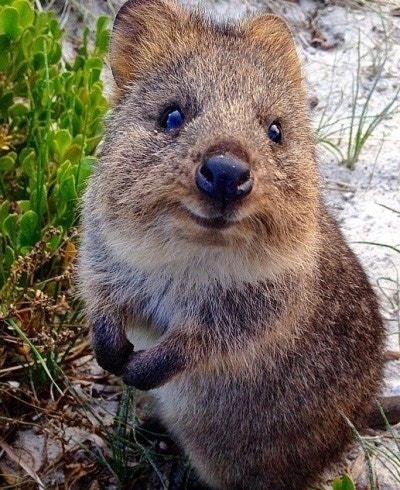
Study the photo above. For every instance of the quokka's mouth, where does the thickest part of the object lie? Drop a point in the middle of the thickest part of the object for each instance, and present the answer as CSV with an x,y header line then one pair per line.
x,y
218,223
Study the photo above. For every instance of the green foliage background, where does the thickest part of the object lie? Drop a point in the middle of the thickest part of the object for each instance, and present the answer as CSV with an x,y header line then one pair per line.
x,y
51,111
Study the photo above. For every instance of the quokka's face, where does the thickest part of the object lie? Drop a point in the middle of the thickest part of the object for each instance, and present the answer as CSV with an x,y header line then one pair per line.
x,y
210,144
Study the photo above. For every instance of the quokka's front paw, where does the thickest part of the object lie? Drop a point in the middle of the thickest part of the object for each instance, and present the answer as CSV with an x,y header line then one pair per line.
x,y
111,347
113,359
150,369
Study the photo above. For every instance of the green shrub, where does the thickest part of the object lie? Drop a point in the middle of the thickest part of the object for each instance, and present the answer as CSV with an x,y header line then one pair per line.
x,y
343,483
51,112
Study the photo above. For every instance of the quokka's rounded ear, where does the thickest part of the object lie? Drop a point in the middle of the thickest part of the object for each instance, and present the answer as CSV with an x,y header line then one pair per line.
x,y
144,32
271,33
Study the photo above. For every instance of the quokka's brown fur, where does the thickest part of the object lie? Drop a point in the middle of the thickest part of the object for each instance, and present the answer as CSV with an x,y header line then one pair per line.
x,y
252,321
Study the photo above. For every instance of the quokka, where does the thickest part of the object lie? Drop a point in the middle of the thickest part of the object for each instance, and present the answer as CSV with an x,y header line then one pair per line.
x,y
213,274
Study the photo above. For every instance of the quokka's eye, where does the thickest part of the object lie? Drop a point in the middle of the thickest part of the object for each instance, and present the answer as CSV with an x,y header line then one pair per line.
x,y
275,132
172,118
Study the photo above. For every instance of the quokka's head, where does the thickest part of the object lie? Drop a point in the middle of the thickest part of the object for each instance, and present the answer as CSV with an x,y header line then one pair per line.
x,y
209,141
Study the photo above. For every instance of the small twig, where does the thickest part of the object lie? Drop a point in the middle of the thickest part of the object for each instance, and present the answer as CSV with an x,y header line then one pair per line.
x,y
16,368
391,408
339,186
392,355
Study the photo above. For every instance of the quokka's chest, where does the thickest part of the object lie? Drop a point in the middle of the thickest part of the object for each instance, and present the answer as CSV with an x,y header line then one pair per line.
x,y
221,312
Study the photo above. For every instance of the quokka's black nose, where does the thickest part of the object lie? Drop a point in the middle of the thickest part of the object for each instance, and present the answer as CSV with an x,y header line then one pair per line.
x,y
225,178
